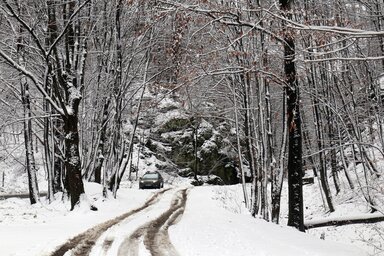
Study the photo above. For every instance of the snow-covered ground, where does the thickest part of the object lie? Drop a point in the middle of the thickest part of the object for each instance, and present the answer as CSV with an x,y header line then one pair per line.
x,y
349,204
37,229
214,223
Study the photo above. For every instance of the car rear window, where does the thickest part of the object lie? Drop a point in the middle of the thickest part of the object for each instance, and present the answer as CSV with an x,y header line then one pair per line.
x,y
150,176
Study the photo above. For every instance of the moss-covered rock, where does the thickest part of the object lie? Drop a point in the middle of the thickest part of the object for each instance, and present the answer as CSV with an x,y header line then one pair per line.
x,y
183,134
227,173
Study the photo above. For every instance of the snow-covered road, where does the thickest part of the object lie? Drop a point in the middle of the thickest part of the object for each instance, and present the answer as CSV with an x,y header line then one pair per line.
x,y
154,233
125,234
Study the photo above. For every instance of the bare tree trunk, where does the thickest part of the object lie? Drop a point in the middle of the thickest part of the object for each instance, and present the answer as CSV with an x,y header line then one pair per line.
x,y
379,24
28,140
101,147
263,151
322,165
72,155
240,158
295,172
256,187
70,79
48,150
335,175
278,172
57,143
30,159
332,132
117,90
250,143
345,166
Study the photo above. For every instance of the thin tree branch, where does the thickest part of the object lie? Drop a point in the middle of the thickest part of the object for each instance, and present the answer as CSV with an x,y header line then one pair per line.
x,y
31,76
70,20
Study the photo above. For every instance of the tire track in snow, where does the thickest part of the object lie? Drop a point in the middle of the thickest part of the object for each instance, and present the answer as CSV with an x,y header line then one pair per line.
x,y
82,244
155,233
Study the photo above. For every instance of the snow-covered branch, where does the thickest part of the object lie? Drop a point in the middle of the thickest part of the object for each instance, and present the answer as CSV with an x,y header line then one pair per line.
x,y
330,29
346,59
63,32
364,218
26,26
33,78
225,17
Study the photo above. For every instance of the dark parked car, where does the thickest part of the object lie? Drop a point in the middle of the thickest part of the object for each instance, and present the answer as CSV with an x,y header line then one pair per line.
x,y
151,180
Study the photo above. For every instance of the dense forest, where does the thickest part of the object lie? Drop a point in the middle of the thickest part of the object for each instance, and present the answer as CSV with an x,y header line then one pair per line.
x,y
254,92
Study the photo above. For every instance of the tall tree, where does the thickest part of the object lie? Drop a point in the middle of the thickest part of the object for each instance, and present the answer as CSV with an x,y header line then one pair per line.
x,y
66,55
295,169
28,139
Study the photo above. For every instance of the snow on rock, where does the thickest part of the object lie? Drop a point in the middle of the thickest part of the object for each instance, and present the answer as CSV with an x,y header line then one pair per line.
x,y
177,136
164,118
167,103
208,145
204,126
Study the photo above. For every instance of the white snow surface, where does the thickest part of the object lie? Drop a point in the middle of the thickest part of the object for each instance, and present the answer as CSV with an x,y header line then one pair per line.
x,y
212,227
214,223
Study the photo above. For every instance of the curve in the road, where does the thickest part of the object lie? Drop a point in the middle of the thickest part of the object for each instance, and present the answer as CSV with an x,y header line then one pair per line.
x,y
155,233
81,244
